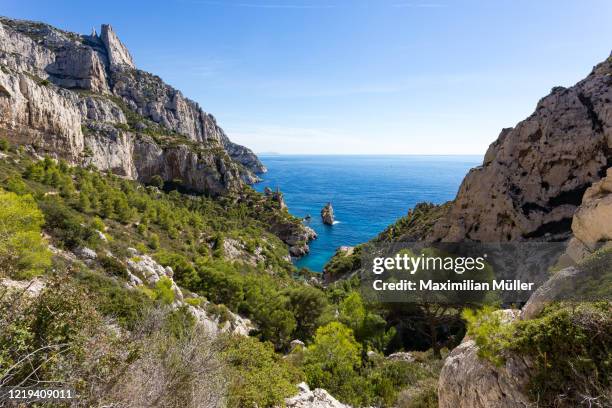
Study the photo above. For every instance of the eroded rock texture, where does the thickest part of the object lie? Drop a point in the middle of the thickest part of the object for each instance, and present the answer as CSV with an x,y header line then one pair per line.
x,y
81,98
469,381
534,175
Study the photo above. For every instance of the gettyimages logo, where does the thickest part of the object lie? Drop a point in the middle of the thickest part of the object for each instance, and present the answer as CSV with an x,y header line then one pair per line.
x,y
412,264
456,273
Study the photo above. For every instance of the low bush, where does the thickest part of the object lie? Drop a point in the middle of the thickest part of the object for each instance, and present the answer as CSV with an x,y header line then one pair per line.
x,y
259,376
23,252
569,345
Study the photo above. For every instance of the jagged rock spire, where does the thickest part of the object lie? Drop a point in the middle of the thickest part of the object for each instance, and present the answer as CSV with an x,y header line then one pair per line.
x,y
118,53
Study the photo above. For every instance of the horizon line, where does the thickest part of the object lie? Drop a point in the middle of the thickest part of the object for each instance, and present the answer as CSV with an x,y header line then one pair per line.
x,y
365,154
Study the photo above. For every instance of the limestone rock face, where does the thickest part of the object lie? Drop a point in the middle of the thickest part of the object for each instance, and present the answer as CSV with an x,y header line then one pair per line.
x,y
110,149
213,173
297,238
534,175
327,214
20,52
118,54
79,67
40,115
468,381
243,155
592,223
80,97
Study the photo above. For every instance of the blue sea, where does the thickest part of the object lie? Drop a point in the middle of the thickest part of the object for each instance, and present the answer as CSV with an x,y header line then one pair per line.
x,y
367,192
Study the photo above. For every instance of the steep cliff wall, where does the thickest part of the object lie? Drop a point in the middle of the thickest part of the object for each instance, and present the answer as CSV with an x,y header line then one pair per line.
x,y
81,98
534,175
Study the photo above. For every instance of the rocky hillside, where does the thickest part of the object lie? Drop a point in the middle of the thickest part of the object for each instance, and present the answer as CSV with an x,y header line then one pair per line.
x,y
81,98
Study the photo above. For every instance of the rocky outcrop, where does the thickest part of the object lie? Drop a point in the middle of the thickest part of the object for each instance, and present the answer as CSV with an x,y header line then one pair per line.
x,y
243,155
534,175
554,288
592,222
276,196
144,270
401,356
80,97
236,250
209,171
296,236
468,381
327,214
40,115
118,54
318,398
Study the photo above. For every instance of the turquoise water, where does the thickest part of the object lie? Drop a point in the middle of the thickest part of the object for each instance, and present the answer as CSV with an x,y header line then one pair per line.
x,y
367,192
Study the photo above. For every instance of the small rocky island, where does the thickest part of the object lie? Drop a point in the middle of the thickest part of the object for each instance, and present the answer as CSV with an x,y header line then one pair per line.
x,y
327,214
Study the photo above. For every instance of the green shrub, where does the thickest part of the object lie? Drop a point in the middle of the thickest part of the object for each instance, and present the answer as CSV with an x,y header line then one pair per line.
x,y
23,252
98,224
112,299
308,305
492,335
423,395
157,181
221,312
163,290
16,185
65,225
332,362
569,345
193,301
113,266
185,273
154,241
259,376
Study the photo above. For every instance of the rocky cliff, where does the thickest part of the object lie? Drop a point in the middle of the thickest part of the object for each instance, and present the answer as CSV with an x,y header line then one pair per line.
x,y
81,97
534,175
468,380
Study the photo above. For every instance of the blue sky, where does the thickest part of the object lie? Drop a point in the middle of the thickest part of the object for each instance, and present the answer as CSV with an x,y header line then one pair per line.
x,y
342,76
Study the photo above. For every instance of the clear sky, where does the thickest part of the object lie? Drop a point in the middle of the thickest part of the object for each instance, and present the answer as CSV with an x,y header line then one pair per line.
x,y
354,76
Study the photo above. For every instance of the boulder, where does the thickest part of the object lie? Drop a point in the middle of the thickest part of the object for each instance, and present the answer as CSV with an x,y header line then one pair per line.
x,y
276,196
319,398
560,283
296,345
468,381
87,253
592,222
401,356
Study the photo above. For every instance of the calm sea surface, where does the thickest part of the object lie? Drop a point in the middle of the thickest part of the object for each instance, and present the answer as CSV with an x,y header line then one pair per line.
x,y
367,192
